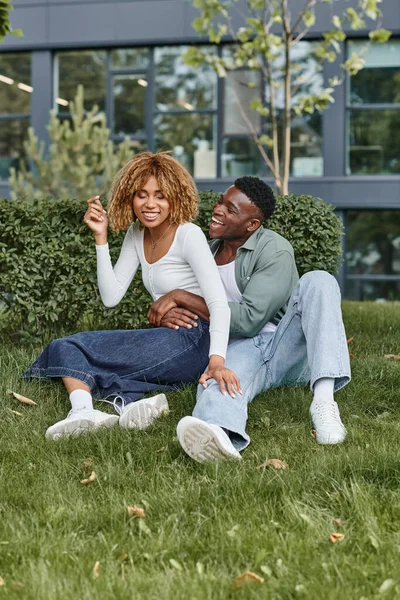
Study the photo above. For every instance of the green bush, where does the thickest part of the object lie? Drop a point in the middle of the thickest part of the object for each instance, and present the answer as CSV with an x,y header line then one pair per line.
x,y
309,224
48,283
312,228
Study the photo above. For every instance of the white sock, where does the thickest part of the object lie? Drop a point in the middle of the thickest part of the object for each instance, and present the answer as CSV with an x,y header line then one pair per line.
x,y
323,389
81,399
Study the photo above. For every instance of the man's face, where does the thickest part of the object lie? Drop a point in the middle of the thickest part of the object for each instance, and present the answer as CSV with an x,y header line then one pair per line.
x,y
232,216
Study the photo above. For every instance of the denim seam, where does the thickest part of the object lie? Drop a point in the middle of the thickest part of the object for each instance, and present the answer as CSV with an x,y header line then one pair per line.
x,y
274,346
175,356
250,379
61,372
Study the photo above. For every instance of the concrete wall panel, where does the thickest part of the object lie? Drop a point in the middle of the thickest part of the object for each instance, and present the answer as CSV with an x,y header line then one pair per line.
x,y
86,22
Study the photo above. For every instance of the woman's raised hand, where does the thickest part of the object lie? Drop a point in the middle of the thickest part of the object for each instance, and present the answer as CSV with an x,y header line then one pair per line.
x,y
96,219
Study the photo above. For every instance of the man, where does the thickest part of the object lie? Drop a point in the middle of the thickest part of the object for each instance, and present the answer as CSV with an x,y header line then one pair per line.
x,y
284,331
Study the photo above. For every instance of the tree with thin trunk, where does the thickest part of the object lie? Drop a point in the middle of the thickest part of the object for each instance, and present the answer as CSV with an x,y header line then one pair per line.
x,y
5,23
265,42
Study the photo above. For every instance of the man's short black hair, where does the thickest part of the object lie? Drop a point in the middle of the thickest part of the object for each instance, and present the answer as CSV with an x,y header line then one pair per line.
x,y
259,193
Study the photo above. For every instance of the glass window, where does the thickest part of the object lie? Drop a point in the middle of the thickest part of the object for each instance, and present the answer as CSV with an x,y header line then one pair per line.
x,y
306,146
372,254
374,141
237,98
15,99
13,133
191,137
134,58
360,289
374,131
180,87
129,104
379,81
373,242
15,83
240,156
87,68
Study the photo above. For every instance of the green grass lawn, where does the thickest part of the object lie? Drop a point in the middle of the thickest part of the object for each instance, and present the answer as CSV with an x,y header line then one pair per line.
x,y
207,524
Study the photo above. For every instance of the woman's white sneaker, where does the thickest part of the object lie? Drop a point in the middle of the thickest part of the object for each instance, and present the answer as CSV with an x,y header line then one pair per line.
x,y
328,426
142,413
205,442
79,422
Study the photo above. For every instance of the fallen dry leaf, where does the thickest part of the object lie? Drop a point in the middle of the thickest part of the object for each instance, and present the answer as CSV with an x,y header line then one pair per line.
x,y
336,537
22,399
275,463
15,412
89,479
88,466
313,433
96,569
2,582
350,340
392,356
136,511
245,578
337,522
352,356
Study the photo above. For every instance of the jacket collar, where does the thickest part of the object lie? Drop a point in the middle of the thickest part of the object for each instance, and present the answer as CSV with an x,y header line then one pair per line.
x,y
249,244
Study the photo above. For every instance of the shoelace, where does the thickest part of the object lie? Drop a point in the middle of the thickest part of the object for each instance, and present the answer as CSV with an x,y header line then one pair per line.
x,y
327,412
118,403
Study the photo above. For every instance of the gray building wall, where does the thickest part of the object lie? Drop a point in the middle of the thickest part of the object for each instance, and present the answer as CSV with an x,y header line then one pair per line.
x,y
55,24
60,23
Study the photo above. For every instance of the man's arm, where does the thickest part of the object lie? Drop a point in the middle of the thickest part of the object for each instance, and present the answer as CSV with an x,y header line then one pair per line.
x,y
268,290
175,299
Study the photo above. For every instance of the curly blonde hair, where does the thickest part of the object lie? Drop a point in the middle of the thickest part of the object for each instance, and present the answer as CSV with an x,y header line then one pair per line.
x,y
173,180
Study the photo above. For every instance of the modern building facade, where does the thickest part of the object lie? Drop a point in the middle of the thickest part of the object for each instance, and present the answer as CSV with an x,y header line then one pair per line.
x,y
128,56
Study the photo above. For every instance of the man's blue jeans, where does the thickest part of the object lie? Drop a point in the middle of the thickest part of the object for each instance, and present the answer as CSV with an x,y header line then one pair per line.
x,y
309,343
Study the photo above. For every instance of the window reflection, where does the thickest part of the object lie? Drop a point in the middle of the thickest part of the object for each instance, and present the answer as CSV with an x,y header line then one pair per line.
x,y
238,116
374,141
306,158
13,133
356,289
373,242
240,156
181,87
191,138
374,132
87,68
15,83
372,253
134,58
129,104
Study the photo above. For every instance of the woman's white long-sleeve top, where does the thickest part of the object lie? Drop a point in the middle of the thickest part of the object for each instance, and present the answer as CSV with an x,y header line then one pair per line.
x,y
188,265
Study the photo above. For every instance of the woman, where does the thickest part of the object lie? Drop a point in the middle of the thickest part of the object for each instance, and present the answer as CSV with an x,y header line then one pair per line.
x,y
155,198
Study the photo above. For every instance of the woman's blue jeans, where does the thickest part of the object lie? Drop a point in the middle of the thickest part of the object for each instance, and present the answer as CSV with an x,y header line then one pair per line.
x,y
129,363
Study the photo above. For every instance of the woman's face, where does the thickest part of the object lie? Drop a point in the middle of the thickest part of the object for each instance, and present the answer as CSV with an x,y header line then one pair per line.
x,y
150,205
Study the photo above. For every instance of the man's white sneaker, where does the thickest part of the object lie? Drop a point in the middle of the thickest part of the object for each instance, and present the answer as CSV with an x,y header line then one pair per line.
x,y
205,442
325,416
80,421
142,413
